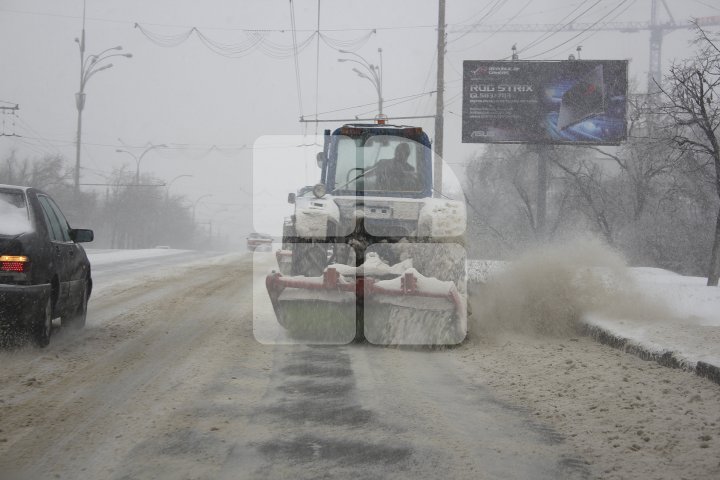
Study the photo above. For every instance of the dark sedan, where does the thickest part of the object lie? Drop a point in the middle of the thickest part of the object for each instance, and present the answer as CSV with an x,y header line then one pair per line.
x,y
44,272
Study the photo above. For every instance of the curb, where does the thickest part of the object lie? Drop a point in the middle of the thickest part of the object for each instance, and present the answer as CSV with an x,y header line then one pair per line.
x,y
666,358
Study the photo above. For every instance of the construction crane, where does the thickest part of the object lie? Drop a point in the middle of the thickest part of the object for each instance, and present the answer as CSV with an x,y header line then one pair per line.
x,y
656,27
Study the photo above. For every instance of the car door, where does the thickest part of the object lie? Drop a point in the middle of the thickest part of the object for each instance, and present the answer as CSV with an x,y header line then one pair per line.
x,y
60,244
75,260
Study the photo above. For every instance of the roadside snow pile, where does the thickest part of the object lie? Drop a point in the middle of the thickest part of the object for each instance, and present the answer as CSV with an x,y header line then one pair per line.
x,y
655,314
103,257
687,336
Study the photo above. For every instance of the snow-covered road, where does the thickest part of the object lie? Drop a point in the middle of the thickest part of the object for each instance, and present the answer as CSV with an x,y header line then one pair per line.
x,y
168,381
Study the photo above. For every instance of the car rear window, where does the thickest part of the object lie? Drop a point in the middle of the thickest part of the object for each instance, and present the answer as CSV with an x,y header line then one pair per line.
x,y
14,218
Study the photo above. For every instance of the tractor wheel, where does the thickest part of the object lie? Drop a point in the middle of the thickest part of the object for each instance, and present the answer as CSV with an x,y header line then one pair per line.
x,y
309,259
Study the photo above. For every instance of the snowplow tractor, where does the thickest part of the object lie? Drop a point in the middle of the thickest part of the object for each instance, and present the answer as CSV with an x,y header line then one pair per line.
x,y
370,253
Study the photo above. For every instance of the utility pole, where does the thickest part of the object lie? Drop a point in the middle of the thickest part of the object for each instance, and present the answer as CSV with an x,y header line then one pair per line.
x,y
80,104
437,164
541,209
89,66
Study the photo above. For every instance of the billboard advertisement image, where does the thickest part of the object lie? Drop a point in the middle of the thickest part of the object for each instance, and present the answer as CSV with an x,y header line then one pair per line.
x,y
559,102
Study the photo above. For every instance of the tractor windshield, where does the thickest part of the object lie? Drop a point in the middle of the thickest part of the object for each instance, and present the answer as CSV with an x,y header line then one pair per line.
x,y
379,164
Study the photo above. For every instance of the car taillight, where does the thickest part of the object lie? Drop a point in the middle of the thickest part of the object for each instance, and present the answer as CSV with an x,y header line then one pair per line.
x,y
13,263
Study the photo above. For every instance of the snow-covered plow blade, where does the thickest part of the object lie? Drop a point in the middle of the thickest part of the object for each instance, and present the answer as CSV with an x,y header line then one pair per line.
x,y
413,310
409,309
314,309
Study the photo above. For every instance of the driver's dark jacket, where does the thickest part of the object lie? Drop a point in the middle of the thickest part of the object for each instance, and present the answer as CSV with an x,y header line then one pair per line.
x,y
396,175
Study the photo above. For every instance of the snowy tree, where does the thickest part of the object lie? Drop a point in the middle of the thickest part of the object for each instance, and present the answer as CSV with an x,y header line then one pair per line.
x,y
691,100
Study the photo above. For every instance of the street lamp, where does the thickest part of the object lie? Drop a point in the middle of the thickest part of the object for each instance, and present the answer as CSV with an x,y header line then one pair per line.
x,y
89,66
138,158
374,71
196,203
167,187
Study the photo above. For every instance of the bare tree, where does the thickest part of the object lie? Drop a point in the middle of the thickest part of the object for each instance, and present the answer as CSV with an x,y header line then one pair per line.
x,y
47,173
691,100
502,192
590,191
644,159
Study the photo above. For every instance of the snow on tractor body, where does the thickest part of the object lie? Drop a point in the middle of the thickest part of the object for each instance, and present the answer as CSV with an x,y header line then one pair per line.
x,y
369,252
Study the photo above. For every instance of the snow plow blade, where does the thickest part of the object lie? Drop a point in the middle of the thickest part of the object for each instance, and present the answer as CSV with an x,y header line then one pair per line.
x,y
409,309
313,309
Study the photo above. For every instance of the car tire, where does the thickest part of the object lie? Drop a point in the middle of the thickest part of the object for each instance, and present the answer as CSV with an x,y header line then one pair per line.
x,y
77,320
42,326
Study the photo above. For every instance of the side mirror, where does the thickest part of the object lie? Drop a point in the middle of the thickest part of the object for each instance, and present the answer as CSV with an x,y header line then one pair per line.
x,y
320,158
81,235
291,197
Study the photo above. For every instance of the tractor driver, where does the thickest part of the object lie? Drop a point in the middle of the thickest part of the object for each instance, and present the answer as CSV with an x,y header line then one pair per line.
x,y
396,174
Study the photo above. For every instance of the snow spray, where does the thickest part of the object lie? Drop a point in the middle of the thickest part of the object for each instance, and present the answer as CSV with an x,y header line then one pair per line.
x,y
546,290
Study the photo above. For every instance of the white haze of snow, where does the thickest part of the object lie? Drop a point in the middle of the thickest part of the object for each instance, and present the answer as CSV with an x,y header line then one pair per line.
x,y
551,290
13,220
546,290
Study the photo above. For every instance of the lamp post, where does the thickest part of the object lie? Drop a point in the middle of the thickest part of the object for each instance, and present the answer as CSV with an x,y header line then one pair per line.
x,y
167,187
373,75
196,203
89,66
138,158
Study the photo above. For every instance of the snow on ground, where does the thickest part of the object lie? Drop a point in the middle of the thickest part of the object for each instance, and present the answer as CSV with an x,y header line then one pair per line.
x,y
105,256
160,263
689,331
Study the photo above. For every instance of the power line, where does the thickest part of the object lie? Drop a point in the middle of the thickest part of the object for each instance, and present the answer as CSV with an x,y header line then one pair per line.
x,y
708,5
394,104
547,35
595,31
581,33
295,56
476,24
374,103
238,28
527,4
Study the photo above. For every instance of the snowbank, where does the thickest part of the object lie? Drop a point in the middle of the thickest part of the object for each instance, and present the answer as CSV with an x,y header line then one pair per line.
x,y
106,256
676,321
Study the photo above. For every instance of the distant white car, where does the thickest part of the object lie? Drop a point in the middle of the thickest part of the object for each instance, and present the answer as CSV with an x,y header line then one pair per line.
x,y
259,241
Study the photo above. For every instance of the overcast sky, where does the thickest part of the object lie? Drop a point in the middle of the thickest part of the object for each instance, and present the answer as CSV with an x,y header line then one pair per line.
x,y
211,100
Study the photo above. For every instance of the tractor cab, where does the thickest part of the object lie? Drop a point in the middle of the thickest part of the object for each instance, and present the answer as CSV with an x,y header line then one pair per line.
x,y
377,160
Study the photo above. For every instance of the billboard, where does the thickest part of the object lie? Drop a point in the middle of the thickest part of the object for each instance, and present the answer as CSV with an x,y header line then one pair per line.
x,y
559,102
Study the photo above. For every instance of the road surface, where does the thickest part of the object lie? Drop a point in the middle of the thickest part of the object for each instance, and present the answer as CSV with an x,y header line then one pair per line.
x,y
169,381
